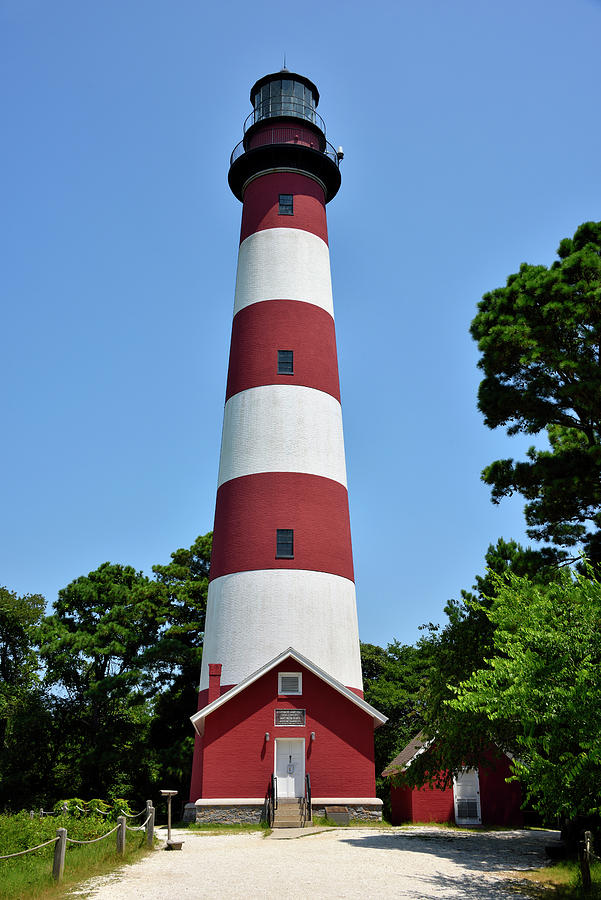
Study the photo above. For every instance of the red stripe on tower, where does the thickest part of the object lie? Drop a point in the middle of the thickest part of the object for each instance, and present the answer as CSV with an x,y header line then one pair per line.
x,y
260,331
262,205
250,510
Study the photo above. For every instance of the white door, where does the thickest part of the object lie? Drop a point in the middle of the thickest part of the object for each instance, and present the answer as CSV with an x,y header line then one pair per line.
x,y
290,767
466,792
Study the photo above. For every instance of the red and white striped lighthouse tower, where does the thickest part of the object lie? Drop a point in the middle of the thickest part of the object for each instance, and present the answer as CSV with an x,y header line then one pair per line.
x,y
281,707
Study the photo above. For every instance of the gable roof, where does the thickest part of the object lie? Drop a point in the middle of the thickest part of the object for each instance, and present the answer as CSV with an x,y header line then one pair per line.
x,y
417,745
290,653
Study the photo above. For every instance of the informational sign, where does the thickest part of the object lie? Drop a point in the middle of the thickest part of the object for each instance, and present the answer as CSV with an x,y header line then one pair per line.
x,y
289,717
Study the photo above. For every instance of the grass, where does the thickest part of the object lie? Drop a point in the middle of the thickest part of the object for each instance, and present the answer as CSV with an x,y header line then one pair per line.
x,y
450,826
225,828
321,821
30,876
561,881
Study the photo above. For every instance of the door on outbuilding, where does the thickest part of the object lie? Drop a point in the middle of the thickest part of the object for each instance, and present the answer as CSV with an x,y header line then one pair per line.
x,y
466,793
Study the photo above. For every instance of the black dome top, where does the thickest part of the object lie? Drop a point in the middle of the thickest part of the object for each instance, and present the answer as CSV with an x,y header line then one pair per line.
x,y
284,73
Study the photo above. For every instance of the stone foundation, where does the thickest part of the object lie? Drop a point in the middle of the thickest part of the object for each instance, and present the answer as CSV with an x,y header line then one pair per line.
x,y
253,811
225,812
357,812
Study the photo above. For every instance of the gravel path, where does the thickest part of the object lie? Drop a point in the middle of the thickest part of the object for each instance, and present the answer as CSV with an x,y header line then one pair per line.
x,y
418,863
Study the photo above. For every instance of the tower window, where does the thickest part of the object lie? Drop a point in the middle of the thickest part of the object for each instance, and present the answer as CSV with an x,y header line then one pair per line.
x,y
284,543
285,362
286,205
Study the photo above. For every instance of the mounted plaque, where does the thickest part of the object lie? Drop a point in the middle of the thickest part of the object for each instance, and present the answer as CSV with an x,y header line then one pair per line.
x,y
289,716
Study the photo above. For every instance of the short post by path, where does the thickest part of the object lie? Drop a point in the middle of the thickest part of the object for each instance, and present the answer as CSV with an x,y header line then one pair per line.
x,y
171,845
149,824
58,866
122,825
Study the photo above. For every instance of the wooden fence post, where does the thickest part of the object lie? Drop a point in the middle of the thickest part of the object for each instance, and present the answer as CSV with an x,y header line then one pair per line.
x,y
584,852
121,822
150,825
58,866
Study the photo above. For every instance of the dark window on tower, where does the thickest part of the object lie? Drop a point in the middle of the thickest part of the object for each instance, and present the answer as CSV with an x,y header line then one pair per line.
x,y
285,362
284,543
286,206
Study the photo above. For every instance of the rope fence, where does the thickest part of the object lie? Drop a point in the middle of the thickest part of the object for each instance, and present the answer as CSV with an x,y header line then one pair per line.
x,y
95,810
30,849
139,827
64,810
133,815
62,839
93,840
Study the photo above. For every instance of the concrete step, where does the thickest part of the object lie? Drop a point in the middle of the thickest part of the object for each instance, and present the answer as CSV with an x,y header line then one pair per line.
x,y
287,821
289,813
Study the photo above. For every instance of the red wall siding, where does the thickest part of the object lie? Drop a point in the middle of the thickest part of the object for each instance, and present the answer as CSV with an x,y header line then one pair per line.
x,y
424,804
433,805
262,200
401,805
257,505
261,329
500,801
238,762
196,779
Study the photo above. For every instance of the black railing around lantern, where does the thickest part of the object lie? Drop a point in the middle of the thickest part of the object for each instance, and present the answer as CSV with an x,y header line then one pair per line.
x,y
284,105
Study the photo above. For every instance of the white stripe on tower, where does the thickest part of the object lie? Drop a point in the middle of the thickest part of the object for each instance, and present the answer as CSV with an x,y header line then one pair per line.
x,y
282,263
283,601
282,428
282,457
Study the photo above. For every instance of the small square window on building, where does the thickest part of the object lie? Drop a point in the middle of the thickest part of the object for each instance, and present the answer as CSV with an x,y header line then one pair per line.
x,y
286,205
285,362
284,543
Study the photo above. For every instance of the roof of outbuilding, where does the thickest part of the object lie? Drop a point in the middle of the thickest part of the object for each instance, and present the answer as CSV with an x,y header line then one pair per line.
x,y
417,745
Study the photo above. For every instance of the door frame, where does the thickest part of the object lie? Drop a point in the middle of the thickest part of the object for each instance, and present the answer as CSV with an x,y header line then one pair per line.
x,y
467,820
297,740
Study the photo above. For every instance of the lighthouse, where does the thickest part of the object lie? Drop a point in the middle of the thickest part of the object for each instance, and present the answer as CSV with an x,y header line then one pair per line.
x,y
281,723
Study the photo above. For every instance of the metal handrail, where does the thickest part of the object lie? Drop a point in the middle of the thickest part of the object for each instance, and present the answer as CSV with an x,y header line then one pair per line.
x,y
239,150
272,800
308,806
285,105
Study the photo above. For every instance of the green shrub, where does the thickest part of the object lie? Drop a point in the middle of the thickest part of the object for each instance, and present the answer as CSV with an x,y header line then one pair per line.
x,y
30,875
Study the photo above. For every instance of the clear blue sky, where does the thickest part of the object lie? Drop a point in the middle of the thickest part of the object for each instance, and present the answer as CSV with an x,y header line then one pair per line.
x,y
472,139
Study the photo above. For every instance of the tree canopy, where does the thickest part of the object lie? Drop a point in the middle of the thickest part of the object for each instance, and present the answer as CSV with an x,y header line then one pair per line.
x,y
394,680
25,721
542,678
120,659
19,616
454,652
540,343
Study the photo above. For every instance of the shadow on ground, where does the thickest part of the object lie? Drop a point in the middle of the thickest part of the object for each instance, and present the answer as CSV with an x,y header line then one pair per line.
x,y
486,850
